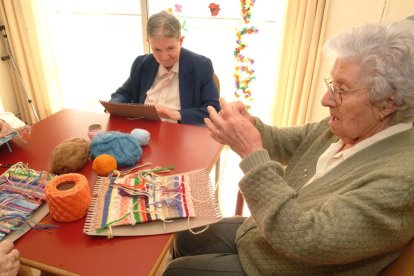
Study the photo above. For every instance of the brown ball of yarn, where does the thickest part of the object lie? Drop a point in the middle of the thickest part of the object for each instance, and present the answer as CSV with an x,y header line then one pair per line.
x,y
104,164
69,156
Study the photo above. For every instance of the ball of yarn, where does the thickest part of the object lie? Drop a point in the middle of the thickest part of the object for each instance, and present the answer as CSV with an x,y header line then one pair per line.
x,y
126,150
93,130
142,136
69,156
104,164
68,197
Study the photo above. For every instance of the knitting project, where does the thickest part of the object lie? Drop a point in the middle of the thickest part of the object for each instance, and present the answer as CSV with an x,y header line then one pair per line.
x,y
145,197
20,133
7,138
22,192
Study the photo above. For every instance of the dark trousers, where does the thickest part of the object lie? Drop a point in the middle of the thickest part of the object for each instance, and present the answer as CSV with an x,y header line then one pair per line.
x,y
212,252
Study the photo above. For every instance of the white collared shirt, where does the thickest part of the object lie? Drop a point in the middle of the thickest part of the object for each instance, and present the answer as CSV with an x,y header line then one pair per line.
x,y
165,88
332,158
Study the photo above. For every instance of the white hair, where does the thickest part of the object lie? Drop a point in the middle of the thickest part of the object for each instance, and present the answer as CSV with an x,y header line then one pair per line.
x,y
385,53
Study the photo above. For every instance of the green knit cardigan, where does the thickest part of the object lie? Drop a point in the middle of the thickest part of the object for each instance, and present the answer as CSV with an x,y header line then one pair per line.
x,y
355,220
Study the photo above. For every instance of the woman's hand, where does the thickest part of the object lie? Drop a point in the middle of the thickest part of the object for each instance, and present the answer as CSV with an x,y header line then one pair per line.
x,y
4,128
167,113
9,258
234,126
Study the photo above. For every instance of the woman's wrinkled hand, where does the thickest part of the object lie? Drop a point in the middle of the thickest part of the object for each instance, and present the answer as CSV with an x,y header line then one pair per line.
x,y
5,128
234,126
9,258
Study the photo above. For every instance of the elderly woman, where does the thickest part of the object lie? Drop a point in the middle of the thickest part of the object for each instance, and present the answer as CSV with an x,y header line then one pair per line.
x,y
333,197
178,82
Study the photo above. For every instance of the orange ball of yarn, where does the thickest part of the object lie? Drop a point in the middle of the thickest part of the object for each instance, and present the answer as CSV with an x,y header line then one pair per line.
x,y
68,197
104,164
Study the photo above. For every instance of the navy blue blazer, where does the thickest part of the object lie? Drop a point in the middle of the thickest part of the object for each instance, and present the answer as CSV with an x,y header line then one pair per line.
x,y
196,84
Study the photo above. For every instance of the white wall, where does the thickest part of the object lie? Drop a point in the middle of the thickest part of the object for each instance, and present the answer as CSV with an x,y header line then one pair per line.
x,y
351,13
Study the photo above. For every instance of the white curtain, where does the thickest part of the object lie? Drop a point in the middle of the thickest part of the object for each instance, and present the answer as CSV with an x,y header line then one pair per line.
x,y
301,47
27,36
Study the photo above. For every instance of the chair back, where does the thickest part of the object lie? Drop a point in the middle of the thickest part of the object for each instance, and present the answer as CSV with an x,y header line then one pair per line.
x,y
404,265
216,79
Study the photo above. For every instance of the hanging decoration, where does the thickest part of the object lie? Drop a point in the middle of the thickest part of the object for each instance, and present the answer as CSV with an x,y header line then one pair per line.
x,y
178,8
176,12
244,73
214,9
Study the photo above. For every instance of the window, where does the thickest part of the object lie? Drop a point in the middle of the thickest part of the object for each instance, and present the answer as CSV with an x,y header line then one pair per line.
x,y
96,41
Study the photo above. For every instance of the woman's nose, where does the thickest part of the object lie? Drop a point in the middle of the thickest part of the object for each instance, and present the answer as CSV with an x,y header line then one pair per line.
x,y
164,56
328,99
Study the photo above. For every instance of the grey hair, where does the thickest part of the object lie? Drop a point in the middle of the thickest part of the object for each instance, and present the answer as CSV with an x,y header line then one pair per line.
x,y
163,24
385,53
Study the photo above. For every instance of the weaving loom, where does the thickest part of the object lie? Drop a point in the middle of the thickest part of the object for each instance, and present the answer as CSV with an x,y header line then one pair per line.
x,y
22,197
149,204
7,138
12,133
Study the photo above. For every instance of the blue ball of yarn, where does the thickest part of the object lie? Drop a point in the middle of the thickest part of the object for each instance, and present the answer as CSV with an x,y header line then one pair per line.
x,y
141,135
126,150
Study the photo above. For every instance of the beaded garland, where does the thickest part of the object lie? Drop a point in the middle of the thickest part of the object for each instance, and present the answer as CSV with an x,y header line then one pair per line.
x,y
243,73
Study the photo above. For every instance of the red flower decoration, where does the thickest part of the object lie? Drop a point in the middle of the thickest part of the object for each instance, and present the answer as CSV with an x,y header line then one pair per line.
x,y
214,9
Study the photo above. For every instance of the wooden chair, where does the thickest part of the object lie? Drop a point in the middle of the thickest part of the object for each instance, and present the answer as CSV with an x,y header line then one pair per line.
x,y
217,165
216,79
240,199
239,204
404,265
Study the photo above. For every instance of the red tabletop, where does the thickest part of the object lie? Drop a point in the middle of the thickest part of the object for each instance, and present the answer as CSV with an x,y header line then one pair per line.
x,y
67,247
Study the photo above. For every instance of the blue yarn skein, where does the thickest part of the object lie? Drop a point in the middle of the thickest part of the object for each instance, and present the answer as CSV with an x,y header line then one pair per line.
x,y
141,135
126,149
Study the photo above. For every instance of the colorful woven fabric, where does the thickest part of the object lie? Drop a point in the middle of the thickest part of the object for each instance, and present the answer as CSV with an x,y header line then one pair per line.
x,y
22,191
135,199
22,180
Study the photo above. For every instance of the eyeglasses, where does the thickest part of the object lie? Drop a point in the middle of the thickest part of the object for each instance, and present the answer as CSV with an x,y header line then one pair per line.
x,y
336,91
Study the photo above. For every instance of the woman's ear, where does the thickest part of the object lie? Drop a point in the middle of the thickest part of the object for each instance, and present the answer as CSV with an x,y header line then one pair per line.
x,y
389,105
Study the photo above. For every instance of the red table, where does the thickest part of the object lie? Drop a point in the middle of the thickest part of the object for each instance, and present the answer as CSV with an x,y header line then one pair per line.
x,y
68,249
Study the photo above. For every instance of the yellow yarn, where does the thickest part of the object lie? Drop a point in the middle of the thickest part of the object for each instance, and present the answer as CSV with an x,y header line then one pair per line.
x,y
104,164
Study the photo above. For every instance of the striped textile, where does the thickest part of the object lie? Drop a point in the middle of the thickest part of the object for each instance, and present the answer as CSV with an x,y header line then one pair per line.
x,y
133,199
22,191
